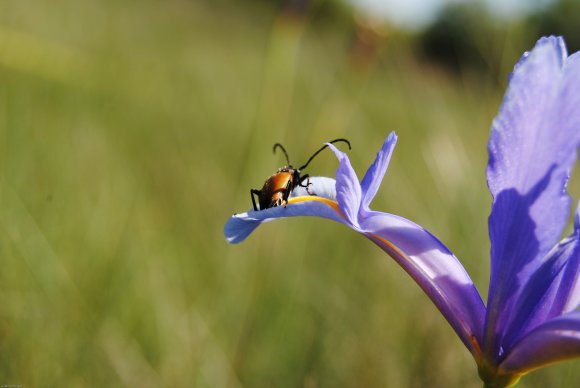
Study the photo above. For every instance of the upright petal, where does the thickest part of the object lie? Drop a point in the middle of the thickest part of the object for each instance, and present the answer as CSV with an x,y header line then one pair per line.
x,y
434,268
374,175
348,190
555,340
531,150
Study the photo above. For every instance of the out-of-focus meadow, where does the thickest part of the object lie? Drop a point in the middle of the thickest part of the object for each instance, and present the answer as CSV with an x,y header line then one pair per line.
x,y
129,133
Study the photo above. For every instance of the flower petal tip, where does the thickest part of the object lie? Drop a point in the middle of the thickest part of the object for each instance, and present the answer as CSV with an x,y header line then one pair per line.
x,y
542,50
374,175
239,227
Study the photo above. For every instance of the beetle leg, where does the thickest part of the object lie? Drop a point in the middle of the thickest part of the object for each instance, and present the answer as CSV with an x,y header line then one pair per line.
x,y
252,193
287,192
308,183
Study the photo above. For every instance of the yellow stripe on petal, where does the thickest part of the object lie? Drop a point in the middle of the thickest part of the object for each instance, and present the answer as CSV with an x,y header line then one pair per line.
x,y
390,245
305,198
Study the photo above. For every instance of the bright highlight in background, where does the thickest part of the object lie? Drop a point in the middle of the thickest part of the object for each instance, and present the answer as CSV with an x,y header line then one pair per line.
x,y
416,14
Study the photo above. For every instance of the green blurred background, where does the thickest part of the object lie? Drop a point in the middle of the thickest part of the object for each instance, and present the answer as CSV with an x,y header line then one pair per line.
x,y
131,130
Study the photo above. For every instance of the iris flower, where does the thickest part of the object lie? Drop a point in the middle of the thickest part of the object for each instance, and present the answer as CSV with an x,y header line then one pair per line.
x,y
532,316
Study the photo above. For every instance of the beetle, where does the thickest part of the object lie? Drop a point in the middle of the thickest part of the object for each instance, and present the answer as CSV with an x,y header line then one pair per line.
x,y
279,185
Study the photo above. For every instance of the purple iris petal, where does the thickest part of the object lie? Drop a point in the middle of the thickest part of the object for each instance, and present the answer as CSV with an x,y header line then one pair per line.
x,y
434,268
555,340
374,176
568,289
549,289
564,293
532,147
348,190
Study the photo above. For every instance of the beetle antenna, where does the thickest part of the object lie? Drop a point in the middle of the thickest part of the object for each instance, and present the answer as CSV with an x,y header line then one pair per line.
x,y
323,147
278,145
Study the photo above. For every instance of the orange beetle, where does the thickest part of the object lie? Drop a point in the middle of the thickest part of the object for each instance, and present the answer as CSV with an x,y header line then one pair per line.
x,y
279,185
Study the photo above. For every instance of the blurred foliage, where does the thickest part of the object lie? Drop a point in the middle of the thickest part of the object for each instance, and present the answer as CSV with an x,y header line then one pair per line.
x,y
130,131
563,18
458,39
466,35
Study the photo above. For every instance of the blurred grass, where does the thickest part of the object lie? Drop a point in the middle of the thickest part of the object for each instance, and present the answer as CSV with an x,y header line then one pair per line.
x,y
130,132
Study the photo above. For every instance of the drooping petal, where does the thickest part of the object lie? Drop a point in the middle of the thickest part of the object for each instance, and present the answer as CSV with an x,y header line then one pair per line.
x,y
555,340
240,226
532,147
552,289
374,175
434,268
348,190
